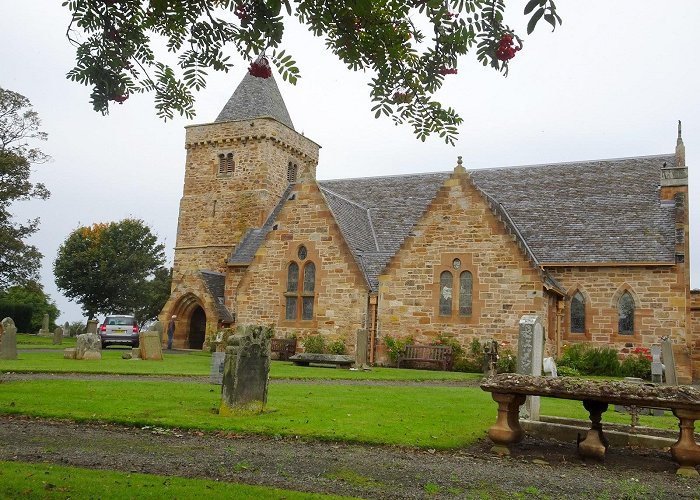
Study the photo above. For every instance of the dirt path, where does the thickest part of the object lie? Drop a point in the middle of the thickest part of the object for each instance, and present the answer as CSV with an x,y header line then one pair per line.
x,y
539,469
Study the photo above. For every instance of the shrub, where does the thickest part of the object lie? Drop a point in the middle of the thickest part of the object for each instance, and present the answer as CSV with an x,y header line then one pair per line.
x,y
507,361
21,314
573,356
396,346
637,365
314,344
337,347
565,371
589,360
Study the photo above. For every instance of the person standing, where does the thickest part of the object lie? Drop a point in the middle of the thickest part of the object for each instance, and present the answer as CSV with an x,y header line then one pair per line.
x,y
171,331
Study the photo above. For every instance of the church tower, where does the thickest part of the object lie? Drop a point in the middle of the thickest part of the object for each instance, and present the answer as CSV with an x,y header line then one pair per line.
x,y
236,170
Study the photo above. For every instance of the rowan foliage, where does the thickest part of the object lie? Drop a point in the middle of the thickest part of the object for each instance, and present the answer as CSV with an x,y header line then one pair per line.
x,y
406,47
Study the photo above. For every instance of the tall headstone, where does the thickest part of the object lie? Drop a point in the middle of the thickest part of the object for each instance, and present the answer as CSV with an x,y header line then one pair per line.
x,y
218,358
66,329
669,361
8,342
45,325
530,355
657,368
361,348
246,371
91,326
88,346
58,336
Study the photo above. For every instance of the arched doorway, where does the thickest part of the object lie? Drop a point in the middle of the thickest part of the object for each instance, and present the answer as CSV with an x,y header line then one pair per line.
x,y
198,327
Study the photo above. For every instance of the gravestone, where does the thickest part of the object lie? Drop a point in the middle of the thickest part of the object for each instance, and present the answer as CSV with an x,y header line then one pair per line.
x,y
361,348
530,355
217,367
657,368
135,353
150,346
490,358
246,371
91,326
58,336
8,342
69,353
88,346
669,362
66,329
45,325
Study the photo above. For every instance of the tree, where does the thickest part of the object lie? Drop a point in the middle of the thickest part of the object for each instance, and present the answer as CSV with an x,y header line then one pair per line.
x,y
32,295
19,262
408,47
156,293
105,267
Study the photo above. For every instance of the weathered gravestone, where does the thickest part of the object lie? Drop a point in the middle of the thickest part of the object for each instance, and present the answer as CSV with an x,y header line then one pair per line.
x,y
218,359
88,346
246,371
91,326
45,325
361,349
657,368
58,336
66,329
530,355
669,362
150,346
8,342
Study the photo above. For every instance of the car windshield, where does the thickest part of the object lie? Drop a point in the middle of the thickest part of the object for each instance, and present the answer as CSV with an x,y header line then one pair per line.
x,y
120,320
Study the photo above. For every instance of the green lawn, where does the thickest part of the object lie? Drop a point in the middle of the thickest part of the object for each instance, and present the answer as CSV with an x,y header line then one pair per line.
x,y
199,363
430,417
47,481
29,341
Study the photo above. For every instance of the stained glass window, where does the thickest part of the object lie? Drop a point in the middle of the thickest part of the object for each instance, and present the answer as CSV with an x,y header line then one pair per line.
x,y
465,293
301,253
578,313
446,293
625,312
293,277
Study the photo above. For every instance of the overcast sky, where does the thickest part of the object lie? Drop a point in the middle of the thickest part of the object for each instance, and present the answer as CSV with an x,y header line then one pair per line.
x,y
611,82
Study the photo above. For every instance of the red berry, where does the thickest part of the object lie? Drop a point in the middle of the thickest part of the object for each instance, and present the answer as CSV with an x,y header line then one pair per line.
x,y
260,68
119,98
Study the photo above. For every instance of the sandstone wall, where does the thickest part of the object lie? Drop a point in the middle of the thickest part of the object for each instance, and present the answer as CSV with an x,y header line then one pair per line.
x,y
341,292
459,224
660,303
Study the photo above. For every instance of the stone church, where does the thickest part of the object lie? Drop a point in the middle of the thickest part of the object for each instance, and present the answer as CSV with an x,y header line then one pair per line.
x,y
599,249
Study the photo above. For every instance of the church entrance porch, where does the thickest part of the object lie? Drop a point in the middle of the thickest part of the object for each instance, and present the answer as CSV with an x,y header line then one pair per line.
x,y
197,330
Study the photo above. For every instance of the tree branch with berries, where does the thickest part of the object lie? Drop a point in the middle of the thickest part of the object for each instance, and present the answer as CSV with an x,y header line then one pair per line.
x,y
407,47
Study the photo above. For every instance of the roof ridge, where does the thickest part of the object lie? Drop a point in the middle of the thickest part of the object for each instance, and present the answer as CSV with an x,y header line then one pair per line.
x,y
371,227
569,163
342,197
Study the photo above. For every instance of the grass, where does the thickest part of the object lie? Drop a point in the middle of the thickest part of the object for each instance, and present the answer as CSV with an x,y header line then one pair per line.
x,y
45,481
198,363
428,417
29,341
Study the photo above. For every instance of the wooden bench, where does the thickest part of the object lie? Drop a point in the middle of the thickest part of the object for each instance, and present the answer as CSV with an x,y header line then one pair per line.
x,y
284,348
509,391
306,358
440,354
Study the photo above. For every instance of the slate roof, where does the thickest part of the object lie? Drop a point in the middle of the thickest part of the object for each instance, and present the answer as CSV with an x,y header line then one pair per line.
x,y
243,254
256,98
604,211
215,283
588,212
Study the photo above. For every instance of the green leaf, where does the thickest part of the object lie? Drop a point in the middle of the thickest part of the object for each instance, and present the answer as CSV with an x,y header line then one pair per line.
x,y
533,21
530,6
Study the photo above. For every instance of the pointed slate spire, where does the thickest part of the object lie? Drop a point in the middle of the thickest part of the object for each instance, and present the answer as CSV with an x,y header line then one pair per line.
x,y
256,97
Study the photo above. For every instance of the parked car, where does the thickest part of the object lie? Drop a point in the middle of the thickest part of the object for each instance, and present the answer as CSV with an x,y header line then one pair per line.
x,y
119,329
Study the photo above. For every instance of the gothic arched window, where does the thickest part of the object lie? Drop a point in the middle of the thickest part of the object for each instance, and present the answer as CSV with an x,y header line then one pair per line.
x,y
292,171
300,293
625,314
446,293
465,294
578,313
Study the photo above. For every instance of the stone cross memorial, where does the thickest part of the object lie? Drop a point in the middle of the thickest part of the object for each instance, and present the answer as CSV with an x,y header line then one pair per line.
x,y
57,336
530,355
246,371
8,342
